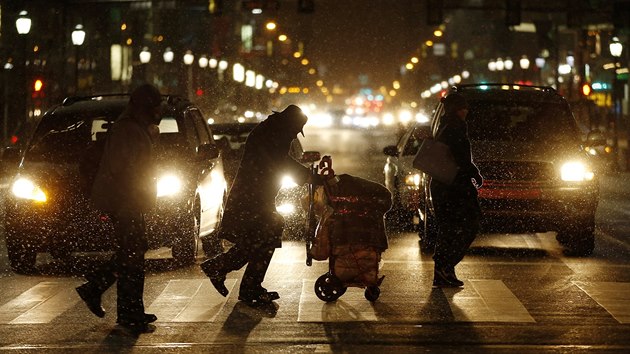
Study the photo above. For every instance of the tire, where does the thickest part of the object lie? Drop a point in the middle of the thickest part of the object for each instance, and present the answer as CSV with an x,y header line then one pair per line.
x,y
329,288
372,293
577,241
184,247
21,259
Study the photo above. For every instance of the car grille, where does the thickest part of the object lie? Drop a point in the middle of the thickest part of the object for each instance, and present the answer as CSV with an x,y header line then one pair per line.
x,y
517,171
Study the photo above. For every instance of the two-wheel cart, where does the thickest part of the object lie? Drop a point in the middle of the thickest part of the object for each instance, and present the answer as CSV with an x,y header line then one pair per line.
x,y
346,226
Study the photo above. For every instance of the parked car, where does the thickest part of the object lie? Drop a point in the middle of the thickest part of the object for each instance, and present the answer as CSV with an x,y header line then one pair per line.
x,y
231,138
538,176
48,208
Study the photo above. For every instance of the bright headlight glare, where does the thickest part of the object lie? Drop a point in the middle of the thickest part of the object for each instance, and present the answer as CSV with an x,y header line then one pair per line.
x,y
285,209
168,185
575,172
288,182
412,180
26,189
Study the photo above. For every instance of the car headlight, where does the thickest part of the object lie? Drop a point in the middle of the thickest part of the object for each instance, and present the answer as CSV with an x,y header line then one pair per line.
x,y
575,172
168,185
287,182
285,209
412,180
27,189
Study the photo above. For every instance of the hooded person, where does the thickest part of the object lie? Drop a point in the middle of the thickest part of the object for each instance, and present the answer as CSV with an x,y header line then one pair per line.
x,y
250,219
456,206
124,189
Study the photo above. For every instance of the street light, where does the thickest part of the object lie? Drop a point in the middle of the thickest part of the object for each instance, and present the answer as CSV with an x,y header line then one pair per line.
x,y
524,64
23,26
616,48
168,55
145,58
189,58
78,37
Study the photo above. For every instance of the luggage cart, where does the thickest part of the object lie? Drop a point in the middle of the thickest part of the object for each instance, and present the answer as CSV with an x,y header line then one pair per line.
x,y
355,230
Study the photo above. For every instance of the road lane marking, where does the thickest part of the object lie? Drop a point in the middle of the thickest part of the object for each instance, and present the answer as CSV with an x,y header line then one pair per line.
x,y
40,304
189,300
614,297
486,301
351,306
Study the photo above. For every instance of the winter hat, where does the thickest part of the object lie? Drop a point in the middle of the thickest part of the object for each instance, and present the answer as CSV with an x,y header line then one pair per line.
x,y
453,102
293,118
145,97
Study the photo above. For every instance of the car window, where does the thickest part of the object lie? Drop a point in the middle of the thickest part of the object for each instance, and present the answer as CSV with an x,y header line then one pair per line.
x,y
533,122
191,132
202,127
413,142
63,138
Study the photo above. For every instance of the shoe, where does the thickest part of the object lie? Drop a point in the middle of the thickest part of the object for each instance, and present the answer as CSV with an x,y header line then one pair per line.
x,y
150,318
216,277
443,279
92,300
266,297
136,326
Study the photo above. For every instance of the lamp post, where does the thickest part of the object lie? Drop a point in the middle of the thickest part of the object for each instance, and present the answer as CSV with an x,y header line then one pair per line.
x,y
524,64
540,64
168,57
78,37
145,58
189,58
616,48
23,26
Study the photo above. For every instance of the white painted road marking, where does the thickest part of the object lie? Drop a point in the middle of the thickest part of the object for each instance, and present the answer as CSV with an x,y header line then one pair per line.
x,y
189,300
40,304
612,296
351,306
486,301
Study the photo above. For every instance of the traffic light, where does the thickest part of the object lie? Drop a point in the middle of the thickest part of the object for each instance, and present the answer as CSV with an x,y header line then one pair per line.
x,y
586,89
38,86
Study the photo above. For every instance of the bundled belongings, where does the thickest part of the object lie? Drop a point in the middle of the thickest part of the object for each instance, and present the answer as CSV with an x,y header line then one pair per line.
x,y
350,233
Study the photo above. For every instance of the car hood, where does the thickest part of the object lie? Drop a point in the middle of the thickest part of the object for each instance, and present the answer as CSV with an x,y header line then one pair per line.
x,y
523,151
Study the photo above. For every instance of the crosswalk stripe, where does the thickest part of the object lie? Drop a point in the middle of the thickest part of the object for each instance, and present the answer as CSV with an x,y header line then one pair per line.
x,y
40,304
189,300
612,296
486,301
351,306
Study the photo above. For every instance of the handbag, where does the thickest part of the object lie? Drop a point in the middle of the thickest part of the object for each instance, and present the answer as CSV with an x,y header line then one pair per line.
x,y
435,159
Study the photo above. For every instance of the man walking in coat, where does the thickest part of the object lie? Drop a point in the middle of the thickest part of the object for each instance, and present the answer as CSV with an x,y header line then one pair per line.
x,y
250,220
125,189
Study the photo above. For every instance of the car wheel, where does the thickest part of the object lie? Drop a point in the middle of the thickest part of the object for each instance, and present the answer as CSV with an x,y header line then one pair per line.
x,y
21,259
185,245
578,241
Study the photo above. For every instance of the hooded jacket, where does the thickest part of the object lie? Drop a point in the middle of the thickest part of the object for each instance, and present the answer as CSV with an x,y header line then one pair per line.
x,y
125,181
250,213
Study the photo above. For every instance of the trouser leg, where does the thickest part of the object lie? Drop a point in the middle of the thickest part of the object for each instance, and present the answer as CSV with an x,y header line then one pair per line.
x,y
259,260
130,232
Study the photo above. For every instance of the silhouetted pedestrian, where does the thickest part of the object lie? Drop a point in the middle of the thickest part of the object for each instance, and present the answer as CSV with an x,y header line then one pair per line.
x,y
250,220
125,189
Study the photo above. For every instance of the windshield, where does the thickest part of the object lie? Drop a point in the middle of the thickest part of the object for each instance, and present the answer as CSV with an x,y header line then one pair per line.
x,y
532,122
63,138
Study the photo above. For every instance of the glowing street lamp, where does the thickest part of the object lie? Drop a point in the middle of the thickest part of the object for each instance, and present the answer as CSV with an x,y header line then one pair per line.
x,y
168,55
78,37
23,23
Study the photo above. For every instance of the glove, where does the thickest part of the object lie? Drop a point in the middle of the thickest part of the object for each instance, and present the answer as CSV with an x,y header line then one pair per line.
x,y
477,180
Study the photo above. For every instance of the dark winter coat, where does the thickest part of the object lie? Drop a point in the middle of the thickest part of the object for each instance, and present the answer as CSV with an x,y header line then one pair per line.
x,y
125,181
250,216
453,131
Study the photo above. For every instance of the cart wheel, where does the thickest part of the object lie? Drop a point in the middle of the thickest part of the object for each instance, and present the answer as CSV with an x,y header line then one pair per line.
x,y
372,293
329,288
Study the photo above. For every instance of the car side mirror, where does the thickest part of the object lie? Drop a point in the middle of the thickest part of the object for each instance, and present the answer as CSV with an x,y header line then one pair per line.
x,y
207,152
390,150
595,138
310,156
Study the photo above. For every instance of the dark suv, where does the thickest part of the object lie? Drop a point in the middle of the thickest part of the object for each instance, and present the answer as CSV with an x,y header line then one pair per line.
x,y
48,208
538,176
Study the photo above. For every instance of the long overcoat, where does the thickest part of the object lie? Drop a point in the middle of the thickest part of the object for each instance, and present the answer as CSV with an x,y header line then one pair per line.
x,y
250,218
